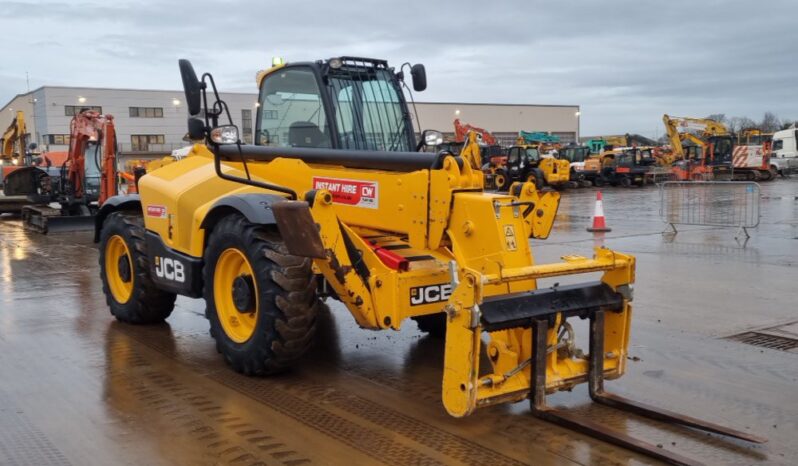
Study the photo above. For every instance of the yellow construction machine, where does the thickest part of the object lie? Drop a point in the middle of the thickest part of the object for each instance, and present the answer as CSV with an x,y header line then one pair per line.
x,y
336,200
527,162
13,143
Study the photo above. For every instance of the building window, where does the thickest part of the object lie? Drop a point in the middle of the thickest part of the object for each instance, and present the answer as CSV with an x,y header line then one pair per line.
x,y
246,125
72,110
269,114
142,142
146,112
57,139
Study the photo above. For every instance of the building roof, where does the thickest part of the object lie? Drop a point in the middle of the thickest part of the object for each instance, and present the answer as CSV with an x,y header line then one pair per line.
x,y
254,92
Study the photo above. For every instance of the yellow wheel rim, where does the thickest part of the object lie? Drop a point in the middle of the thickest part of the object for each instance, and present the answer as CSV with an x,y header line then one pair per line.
x,y
119,269
238,325
499,180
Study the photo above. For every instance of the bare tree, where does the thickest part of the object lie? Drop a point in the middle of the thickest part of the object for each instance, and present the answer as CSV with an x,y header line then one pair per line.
x,y
719,117
770,122
737,124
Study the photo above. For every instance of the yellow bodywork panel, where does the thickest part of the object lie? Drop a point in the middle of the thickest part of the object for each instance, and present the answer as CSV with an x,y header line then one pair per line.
x,y
555,171
460,247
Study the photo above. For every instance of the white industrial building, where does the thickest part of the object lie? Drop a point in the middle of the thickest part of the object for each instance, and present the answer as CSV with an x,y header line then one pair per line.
x,y
153,122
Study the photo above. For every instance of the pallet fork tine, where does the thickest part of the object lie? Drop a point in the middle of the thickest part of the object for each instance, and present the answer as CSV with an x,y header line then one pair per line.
x,y
599,395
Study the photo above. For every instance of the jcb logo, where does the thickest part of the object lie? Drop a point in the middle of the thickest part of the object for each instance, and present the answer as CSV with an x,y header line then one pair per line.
x,y
170,269
430,294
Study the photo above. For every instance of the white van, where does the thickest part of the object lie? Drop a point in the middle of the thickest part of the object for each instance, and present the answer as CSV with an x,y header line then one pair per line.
x,y
784,155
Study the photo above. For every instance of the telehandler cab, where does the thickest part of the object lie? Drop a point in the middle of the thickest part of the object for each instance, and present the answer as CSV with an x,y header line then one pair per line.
x,y
335,200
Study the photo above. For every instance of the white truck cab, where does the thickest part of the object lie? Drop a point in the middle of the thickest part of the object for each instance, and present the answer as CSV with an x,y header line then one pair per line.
x,y
784,155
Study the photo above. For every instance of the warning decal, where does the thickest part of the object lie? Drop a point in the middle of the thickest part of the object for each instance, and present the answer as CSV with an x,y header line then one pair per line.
x,y
350,192
156,211
509,238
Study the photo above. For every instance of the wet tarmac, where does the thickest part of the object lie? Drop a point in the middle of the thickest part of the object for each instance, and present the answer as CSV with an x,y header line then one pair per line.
x,y
78,388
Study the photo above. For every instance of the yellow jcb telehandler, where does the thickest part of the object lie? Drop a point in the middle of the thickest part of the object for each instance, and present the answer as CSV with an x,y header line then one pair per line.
x,y
336,200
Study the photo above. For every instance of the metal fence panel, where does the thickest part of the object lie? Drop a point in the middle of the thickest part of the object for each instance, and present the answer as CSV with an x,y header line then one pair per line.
x,y
710,203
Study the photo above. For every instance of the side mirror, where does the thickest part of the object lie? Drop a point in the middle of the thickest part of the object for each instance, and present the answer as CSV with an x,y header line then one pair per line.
x,y
191,86
419,75
196,129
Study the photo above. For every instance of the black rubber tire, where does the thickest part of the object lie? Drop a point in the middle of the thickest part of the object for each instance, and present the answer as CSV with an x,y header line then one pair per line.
x,y
505,185
432,324
599,181
147,304
537,177
626,182
287,299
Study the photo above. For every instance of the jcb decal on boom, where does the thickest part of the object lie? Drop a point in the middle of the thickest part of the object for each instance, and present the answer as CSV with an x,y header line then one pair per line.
x,y
430,294
350,192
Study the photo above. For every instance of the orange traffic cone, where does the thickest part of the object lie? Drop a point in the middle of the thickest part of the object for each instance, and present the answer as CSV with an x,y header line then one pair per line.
x,y
599,224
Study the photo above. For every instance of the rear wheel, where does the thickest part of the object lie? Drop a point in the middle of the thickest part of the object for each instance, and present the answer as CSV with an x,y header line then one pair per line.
x,y
260,300
536,176
626,182
501,180
125,272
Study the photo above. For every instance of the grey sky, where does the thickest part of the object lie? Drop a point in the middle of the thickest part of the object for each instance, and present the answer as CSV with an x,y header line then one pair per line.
x,y
626,62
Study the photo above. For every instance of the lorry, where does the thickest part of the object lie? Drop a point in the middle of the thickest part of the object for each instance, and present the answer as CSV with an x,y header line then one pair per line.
x,y
784,152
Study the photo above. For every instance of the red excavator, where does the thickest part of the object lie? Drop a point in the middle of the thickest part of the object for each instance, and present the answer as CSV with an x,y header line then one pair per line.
x,y
460,131
80,185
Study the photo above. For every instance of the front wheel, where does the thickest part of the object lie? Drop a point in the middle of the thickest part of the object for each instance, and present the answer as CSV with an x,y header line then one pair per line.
x,y
501,180
536,177
260,300
125,272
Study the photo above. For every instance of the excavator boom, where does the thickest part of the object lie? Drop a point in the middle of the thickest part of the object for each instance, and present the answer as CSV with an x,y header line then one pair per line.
x,y
13,144
461,131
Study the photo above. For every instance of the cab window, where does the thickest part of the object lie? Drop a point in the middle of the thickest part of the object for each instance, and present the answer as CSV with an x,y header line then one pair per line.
x,y
291,111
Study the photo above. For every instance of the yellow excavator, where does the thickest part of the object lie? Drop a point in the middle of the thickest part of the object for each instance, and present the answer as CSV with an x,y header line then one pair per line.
x,y
336,199
13,155
715,152
14,142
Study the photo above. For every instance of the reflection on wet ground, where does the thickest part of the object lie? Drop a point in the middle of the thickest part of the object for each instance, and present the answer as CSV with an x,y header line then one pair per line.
x,y
77,387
